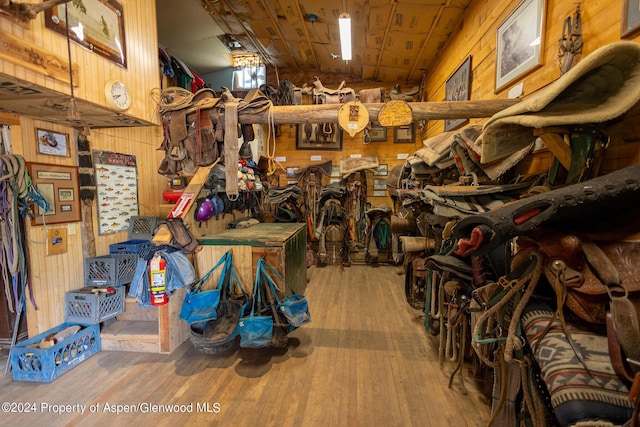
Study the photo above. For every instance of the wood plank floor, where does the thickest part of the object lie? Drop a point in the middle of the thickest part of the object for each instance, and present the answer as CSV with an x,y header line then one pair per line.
x,y
364,360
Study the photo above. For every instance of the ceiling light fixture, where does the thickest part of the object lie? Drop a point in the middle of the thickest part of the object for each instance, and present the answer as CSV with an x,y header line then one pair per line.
x,y
344,21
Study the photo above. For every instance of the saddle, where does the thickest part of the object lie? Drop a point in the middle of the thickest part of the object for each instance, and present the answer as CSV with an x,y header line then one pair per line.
x,y
411,95
323,95
596,281
187,145
371,96
379,236
578,205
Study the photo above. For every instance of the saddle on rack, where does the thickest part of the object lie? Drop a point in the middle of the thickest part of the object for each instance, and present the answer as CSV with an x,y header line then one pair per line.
x,y
323,95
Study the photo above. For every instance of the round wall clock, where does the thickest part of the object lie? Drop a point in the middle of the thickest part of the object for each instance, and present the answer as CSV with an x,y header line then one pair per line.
x,y
117,95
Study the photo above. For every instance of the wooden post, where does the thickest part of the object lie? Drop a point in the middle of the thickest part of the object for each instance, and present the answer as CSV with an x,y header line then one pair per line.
x,y
328,113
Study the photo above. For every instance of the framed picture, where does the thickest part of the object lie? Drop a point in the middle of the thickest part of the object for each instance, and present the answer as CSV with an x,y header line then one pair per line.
x,y
519,42
630,18
379,184
52,143
319,136
58,185
458,89
383,170
291,171
65,194
403,133
378,133
103,24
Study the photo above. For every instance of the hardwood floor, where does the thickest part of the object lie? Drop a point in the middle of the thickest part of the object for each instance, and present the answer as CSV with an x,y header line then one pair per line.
x,y
364,360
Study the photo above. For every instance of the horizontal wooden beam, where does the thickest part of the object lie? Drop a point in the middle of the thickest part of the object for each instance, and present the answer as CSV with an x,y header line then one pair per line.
x,y
328,113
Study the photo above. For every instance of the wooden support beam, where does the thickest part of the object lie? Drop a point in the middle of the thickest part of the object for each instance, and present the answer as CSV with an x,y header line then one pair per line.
x,y
328,113
556,144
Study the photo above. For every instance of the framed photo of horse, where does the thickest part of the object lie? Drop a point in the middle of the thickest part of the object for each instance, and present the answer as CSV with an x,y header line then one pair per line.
x,y
319,136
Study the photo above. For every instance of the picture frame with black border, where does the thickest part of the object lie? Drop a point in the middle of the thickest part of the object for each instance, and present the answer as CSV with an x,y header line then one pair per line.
x,y
457,88
403,133
377,133
319,136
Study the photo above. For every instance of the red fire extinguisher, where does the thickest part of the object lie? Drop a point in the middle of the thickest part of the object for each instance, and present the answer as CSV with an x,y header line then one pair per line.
x,y
158,273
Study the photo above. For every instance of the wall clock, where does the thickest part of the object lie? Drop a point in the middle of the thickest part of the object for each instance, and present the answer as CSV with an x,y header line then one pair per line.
x,y
117,95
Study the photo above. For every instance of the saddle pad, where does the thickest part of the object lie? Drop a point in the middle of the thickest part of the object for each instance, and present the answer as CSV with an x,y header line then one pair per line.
x,y
576,395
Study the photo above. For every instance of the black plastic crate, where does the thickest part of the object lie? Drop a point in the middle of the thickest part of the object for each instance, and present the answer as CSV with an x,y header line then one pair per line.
x,y
142,227
109,270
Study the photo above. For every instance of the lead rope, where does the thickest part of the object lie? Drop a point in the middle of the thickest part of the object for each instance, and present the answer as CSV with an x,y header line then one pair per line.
x,y
273,165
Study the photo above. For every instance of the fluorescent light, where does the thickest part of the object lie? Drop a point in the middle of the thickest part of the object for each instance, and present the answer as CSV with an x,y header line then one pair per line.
x,y
344,22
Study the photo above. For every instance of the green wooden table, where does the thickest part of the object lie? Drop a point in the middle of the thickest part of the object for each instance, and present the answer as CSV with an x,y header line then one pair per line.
x,y
284,245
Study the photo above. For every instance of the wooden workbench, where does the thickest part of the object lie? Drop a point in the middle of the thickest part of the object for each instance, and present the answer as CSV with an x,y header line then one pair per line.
x,y
283,244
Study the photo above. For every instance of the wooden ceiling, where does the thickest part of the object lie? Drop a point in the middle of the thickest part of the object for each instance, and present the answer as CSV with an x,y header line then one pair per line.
x,y
393,40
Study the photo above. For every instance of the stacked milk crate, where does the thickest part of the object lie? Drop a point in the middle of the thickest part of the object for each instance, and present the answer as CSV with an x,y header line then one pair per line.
x,y
45,357
106,276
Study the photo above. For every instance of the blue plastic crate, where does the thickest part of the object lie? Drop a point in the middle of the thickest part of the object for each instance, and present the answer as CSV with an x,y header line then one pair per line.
x,y
142,248
46,364
85,307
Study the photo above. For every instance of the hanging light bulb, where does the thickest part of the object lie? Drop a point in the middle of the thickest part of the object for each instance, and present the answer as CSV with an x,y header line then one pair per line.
x,y
344,21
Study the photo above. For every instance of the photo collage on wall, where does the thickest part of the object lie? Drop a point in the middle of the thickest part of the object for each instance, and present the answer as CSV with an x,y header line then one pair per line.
x,y
117,187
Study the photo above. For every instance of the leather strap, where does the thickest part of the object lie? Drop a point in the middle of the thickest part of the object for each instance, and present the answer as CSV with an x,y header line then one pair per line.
x,y
620,366
231,148
623,315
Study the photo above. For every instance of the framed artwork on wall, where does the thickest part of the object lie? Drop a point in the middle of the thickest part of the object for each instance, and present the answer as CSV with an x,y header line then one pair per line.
x,y
378,133
458,88
519,42
630,18
403,133
102,22
52,143
319,136
59,186
383,170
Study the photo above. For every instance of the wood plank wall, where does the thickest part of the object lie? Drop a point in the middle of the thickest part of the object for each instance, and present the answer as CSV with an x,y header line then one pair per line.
x,y
53,275
601,25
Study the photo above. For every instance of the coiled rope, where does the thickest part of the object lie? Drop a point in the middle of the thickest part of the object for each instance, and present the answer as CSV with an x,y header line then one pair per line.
x,y
17,192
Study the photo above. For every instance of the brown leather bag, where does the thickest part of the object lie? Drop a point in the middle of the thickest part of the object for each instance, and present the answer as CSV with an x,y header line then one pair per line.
x,y
598,282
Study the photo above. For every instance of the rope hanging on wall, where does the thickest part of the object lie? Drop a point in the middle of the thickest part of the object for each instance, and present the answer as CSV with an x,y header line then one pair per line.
x,y
73,112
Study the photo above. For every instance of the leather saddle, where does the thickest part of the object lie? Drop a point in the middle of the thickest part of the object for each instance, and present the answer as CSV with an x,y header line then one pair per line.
x,y
323,95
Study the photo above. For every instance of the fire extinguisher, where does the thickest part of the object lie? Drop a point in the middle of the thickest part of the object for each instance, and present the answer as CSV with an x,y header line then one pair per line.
x,y
158,273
